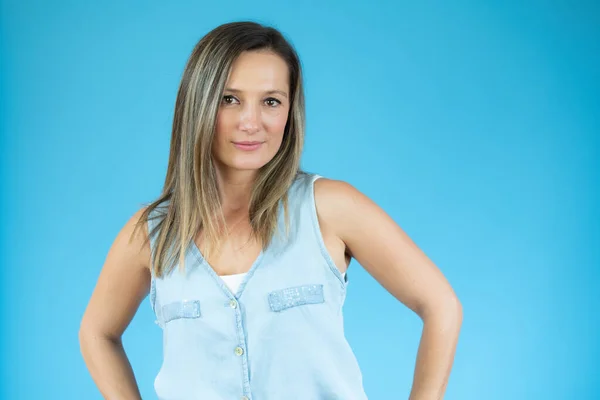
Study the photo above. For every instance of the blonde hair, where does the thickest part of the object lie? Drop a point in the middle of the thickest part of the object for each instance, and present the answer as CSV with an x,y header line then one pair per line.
x,y
190,186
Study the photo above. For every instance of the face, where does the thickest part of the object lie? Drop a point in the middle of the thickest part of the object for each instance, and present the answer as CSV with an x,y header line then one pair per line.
x,y
253,111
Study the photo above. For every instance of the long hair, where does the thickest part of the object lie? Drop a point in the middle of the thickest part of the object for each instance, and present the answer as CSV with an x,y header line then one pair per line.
x,y
190,192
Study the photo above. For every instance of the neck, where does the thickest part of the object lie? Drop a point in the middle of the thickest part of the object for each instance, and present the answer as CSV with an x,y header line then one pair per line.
x,y
235,189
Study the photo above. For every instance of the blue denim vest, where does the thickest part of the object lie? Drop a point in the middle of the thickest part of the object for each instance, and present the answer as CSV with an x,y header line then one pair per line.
x,y
280,336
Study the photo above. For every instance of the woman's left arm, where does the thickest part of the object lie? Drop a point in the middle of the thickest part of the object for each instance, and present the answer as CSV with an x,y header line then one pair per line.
x,y
395,261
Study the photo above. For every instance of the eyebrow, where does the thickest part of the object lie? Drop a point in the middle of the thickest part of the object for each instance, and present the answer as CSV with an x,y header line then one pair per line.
x,y
280,92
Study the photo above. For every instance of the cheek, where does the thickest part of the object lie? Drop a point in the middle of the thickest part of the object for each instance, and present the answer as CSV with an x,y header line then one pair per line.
x,y
223,124
276,123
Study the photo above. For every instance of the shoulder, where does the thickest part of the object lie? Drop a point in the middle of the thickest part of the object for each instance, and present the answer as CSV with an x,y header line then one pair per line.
x,y
347,211
333,193
132,241
339,204
138,223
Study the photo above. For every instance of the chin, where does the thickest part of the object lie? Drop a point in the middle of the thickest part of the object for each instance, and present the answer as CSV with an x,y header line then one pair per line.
x,y
246,165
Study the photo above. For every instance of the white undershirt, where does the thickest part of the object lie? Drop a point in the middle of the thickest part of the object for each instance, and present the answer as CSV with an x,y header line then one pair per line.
x,y
233,281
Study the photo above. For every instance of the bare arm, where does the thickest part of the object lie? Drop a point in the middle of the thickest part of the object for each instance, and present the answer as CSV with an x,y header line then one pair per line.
x,y
122,285
391,257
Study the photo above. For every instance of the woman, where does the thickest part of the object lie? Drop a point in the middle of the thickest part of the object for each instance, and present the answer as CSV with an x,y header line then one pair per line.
x,y
245,256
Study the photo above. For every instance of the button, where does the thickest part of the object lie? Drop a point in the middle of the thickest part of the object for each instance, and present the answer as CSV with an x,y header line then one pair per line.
x,y
239,351
233,304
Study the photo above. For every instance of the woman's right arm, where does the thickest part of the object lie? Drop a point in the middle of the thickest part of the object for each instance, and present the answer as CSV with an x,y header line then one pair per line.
x,y
123,284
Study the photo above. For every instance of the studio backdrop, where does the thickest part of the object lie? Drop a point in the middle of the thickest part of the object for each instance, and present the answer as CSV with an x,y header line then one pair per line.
x,y
474,125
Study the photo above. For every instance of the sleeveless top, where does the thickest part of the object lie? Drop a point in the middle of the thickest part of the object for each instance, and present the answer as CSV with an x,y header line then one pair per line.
x,y
280,335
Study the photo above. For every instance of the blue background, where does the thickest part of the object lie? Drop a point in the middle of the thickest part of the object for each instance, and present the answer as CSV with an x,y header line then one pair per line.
x,y
475,125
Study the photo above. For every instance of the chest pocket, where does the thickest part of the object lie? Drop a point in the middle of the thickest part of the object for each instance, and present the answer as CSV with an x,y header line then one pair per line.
x,y
179,309
283,299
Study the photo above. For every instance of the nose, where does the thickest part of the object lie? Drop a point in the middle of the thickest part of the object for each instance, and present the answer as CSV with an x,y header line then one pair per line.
x,y
250,119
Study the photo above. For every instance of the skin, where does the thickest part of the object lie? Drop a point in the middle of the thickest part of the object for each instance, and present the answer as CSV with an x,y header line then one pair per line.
x,y
255,107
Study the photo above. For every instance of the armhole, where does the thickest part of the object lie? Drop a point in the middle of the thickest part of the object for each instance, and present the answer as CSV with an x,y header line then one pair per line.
x,y
319,236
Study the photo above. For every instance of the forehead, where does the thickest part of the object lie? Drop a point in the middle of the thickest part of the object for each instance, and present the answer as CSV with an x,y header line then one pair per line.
x,y
259,70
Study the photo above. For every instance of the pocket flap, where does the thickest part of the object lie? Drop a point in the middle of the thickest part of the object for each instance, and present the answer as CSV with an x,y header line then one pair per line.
x,y
180,309
280,300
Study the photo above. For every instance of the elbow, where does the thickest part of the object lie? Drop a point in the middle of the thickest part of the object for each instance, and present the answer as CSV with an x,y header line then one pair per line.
x,y
89,334
85,335
458,312
85,338
86,329
448,312
454,308
452,311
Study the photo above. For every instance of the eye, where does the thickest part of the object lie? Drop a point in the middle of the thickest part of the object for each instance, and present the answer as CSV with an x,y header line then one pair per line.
x,y
229,99
272,102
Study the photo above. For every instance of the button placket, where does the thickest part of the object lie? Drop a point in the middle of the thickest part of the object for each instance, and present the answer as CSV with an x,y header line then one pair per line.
x,y
240,349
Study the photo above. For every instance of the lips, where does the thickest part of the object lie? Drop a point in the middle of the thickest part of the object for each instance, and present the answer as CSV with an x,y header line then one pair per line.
x,y
247,145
